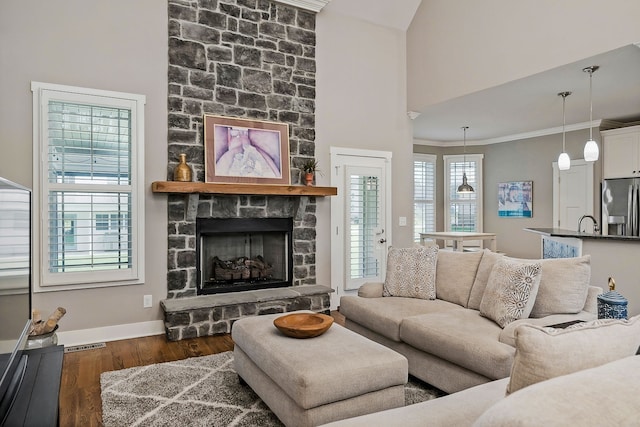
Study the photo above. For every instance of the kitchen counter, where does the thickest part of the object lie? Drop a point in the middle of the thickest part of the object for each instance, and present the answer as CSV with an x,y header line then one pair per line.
x,y
560,232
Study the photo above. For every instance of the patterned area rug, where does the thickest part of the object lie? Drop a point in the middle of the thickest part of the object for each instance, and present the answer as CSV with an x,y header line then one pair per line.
x,y
200,391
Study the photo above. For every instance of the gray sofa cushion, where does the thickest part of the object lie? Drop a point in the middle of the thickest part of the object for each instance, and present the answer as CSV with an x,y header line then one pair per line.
x,y
385,314
459,409
542,353
508,335
455,274
608,395
462,337
573,273
482,277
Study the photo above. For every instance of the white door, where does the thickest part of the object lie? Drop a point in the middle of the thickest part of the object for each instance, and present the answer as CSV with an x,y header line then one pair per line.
x,y
360,215
572,195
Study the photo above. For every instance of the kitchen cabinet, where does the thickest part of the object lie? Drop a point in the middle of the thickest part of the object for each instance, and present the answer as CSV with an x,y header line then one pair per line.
x,y
621,152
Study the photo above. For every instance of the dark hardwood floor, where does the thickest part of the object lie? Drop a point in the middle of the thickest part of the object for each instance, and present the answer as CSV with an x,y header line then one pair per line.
x,y
80,403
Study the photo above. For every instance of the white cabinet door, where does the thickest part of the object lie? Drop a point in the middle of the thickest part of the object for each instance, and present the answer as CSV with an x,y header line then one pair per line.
x,y
621,158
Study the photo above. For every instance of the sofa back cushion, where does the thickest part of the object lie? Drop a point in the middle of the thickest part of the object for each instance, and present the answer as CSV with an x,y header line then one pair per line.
x,y
564,286
511,291
545,352
455,274
489,258
411,272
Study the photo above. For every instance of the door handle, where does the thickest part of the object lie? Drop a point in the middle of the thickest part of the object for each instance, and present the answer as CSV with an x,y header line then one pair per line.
x,y
382,240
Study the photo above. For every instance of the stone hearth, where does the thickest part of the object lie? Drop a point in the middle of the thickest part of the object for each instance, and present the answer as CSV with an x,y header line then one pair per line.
x,y
215,314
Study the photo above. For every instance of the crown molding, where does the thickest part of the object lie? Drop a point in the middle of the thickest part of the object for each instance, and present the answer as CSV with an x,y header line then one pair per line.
x,y
514,137
312,5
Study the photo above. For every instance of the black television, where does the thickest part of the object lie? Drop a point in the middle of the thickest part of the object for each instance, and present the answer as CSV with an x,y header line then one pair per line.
x,y
15,289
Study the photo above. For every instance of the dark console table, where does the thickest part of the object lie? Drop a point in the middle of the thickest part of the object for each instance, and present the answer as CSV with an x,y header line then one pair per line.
x,y
37,401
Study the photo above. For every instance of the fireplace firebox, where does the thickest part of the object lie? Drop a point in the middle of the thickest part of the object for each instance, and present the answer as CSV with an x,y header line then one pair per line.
x,y
240,254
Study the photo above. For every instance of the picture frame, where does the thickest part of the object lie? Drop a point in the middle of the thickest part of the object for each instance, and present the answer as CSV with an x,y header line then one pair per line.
x,y
246,151
515,199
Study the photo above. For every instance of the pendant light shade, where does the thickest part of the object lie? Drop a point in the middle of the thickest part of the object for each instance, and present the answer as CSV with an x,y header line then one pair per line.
x,y
564,162
465,187
591,151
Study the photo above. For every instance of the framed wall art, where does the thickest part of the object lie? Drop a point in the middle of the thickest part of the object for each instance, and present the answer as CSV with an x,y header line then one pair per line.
x,y
515,199
245,151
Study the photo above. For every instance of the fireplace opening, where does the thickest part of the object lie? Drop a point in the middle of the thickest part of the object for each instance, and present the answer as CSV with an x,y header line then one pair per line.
x,y
240,254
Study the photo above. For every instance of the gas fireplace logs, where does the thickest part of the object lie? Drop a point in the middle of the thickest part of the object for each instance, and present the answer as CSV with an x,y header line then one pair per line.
x,y
41,327
241,268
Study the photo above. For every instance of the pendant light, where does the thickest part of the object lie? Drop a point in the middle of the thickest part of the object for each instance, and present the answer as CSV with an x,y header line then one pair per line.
x,y
591,151
465,187
564,162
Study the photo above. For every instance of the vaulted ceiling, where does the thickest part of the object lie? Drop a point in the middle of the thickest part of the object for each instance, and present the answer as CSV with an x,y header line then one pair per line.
x,y
523,107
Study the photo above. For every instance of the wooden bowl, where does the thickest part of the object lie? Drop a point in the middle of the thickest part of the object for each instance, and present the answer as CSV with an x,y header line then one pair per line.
x,y
303,325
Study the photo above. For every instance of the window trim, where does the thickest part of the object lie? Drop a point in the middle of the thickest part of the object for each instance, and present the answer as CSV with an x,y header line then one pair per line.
x,y
447,160
429,158
42,282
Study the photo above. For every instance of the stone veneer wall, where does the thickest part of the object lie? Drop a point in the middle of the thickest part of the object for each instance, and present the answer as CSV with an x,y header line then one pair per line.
x,y
238,58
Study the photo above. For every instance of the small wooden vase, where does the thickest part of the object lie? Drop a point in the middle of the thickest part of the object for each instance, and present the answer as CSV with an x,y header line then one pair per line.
x,y
308,179
182,172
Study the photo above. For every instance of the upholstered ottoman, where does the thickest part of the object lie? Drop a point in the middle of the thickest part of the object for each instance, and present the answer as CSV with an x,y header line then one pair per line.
x,y
307,382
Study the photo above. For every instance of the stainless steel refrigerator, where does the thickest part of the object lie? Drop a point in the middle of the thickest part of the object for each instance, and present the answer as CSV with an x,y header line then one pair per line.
x,y
621,206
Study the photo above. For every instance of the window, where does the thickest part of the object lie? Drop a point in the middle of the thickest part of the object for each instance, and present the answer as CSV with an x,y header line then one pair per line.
x,y
88,187
463,211
364,220
424,194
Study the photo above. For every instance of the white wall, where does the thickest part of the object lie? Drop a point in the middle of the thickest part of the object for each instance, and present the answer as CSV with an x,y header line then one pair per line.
x,y
118,45
459,47
361,103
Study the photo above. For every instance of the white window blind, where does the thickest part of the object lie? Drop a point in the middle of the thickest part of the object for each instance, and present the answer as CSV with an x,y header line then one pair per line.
x,y
364,219
90,186
463,211
424,194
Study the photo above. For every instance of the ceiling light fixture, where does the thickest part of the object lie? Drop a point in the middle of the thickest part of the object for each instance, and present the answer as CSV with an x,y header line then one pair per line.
x,y
564,162
591,150
465,187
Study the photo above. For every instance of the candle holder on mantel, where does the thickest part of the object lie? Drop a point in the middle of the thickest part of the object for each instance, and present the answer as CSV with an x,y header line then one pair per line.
x,y
182,172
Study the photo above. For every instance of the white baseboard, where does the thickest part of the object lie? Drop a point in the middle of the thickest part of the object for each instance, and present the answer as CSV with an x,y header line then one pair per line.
x,y
111,333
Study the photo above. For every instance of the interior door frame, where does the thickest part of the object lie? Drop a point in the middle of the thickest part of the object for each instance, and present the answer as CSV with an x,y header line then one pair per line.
x,y
556,189
337,215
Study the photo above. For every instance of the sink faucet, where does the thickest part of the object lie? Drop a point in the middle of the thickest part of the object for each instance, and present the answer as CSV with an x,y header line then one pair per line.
x,y
595,223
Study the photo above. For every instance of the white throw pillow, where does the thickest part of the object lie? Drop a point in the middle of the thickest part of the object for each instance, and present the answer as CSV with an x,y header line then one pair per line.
x,y
511,291
411,272
544,352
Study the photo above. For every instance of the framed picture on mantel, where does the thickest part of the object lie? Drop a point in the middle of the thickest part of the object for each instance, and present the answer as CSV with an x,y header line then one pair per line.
x,y
245,151
515,199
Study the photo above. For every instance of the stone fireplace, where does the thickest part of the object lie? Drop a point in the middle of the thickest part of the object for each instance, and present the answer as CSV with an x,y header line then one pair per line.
x,y
251,59
239,58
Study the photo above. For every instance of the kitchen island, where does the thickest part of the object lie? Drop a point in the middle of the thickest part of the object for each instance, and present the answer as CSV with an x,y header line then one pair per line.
x,y
611,256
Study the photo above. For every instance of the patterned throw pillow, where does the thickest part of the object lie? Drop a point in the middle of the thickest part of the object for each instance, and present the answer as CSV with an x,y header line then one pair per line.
x,y
411,272
511,291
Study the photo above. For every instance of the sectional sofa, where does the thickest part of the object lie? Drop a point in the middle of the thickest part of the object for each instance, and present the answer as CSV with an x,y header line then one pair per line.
x,y
453,315
594,387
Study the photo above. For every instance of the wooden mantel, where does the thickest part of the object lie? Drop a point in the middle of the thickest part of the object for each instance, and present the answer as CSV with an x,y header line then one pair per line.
x,y
241,189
